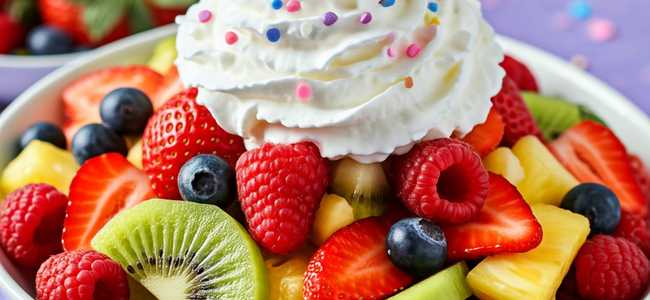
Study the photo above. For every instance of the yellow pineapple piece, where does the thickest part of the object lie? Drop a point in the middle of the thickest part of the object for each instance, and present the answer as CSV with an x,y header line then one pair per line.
x,y
135,154
503,162
39,162
538,273
287,274
333,214
163,56
546,180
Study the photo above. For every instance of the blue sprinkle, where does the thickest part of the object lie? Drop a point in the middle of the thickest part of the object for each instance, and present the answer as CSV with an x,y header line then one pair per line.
x,y
433,6
277,4
580,9
387,3
273,35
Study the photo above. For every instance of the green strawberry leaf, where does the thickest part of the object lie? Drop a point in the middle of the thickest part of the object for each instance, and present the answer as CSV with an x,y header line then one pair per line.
x,y
23,11
140,18
101,16
173,3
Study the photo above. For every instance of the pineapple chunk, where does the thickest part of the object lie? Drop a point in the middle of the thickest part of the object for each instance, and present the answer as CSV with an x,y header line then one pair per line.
x,y
546,180
135,155
503,162
333,214
286,275
39,162
538,273
163,56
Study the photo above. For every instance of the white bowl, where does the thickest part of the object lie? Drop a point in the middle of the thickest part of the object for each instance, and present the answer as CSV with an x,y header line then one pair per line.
x,y
42,102
19,72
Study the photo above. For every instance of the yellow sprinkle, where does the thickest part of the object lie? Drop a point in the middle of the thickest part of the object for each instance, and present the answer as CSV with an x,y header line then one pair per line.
x,y
431,20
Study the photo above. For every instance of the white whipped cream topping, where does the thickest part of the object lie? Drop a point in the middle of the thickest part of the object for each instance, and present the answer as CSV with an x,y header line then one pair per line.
x,y
360,106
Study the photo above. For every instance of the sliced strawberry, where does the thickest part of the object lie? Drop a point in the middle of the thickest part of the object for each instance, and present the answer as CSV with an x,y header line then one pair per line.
x,y
593,153
170,87
164,15
505,224
642,175
82,98
103,186
353,264
520,74
487,136
519,122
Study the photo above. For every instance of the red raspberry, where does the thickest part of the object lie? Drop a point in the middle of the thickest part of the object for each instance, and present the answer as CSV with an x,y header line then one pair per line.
x,y
442,180
280,187
610,268
635,229
81,275
31,223
520,74
178,131
518,119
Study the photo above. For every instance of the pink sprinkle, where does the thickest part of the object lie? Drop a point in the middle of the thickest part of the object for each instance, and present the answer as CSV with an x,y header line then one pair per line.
x,y
303,91
413,50
231,38
205,16
293,6
390,53
601,30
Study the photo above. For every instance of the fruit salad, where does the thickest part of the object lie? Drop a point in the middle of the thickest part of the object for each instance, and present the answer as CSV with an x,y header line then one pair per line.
x,y
404,157
47,27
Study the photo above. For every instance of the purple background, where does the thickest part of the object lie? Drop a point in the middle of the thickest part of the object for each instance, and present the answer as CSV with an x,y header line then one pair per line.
x,y
623,62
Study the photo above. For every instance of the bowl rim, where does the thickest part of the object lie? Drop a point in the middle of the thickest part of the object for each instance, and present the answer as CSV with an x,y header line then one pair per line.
x,y
581,78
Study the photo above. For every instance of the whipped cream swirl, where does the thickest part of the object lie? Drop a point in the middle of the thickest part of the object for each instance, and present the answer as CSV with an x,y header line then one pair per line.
x,y
371,93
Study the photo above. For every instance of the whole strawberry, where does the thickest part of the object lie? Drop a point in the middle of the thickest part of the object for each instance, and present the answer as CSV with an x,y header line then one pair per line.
x,y
12,33
178,131
518,119
31,222
610,268
87,29
280,187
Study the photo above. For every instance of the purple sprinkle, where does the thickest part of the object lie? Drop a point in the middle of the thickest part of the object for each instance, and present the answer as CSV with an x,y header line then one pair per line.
x,y
365,18
330,18
205,16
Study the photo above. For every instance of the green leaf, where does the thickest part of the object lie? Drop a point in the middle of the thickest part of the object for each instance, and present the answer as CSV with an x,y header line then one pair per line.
x,y
24,11
101,16
174,3
140,17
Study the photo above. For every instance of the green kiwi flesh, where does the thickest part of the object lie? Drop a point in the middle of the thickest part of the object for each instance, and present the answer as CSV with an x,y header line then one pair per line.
x,y
183,250
364,186
448,284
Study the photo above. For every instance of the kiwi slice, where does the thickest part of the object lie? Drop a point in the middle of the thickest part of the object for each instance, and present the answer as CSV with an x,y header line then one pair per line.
x,y
364,186
448,284
185,250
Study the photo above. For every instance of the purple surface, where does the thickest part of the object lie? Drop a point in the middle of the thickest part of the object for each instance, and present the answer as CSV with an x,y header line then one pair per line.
x,y
623,62
16,80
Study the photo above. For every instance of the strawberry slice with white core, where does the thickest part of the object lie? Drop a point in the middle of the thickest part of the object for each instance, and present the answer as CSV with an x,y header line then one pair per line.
x,y
103,186
505,224
593,153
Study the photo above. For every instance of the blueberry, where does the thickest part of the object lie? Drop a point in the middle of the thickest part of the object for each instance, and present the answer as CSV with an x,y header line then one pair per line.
x,y
207,179
417,246
596,202
126,110
96,139
44,40
43,131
